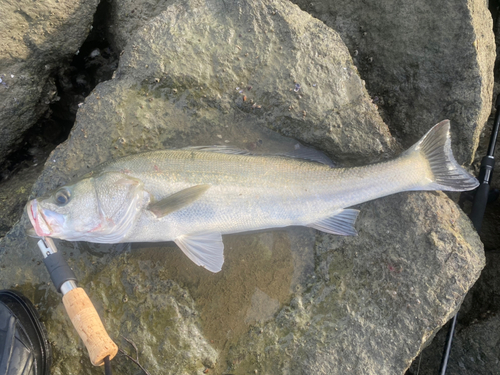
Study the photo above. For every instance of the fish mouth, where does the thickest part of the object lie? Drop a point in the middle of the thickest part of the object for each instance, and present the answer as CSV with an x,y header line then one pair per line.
x,y
38,220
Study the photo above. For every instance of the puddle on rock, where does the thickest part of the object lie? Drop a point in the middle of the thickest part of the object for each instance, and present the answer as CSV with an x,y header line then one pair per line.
x,y
260,273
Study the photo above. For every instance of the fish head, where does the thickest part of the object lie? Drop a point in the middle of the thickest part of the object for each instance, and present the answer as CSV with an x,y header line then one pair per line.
x,y
95,209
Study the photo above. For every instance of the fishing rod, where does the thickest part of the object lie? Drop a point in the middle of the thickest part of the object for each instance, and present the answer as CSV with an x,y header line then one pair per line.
x,y
80,309
477,213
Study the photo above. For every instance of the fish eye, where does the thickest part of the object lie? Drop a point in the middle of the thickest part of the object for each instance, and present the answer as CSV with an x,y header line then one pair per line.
x,y
62,197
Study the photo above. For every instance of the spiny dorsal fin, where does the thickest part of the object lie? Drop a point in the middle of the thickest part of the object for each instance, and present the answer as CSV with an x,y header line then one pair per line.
x,y
177,200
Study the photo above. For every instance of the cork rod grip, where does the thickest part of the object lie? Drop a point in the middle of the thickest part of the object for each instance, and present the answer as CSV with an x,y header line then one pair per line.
x,y
87,323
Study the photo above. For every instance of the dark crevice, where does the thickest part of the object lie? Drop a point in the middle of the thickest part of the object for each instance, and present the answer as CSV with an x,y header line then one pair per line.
x,y
95,62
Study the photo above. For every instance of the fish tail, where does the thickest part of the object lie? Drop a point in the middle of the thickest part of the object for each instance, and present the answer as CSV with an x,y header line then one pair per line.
x,y
446,174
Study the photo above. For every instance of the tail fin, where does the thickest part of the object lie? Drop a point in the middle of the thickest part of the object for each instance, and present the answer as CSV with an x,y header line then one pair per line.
x,y
448,175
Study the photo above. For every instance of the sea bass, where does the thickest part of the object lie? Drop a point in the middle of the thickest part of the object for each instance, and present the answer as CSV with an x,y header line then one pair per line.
x,y
192,196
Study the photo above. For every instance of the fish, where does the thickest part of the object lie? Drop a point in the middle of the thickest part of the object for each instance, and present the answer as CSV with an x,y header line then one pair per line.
x,y
194,195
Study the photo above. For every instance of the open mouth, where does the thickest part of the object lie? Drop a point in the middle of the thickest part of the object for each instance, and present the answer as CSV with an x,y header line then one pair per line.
x,y
37,219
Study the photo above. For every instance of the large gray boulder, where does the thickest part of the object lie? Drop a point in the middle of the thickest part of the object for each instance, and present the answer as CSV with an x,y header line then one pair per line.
x,y
422,61
37,38
286,301
129,15
188,75
374,300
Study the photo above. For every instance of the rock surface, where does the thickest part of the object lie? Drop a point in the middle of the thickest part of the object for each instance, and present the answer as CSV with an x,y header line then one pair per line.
x,y
129,15
423,61
378,295
475,348
37,37
13,196
332,305
248,68
475,344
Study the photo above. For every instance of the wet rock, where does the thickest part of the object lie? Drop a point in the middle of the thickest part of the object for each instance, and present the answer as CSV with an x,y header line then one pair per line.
x,y
246,69
13,196
423,61
157,315
335,305
138,303
37,37
263,307
380,296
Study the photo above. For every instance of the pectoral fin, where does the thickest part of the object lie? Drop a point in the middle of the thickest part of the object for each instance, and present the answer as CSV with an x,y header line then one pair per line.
x,y
204,249
341,223
177,201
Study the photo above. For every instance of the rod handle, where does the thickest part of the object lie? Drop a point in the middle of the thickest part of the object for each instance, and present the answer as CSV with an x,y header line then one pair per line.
x,y
87,323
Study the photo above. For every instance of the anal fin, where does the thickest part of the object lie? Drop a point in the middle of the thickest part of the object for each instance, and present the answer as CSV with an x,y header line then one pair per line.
x,y
204,249
340,223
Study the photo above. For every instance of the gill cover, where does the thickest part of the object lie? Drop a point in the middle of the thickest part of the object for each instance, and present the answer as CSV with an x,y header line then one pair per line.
x,y
119,201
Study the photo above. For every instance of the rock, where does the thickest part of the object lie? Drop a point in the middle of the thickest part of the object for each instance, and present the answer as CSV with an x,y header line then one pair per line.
x,y
13,196
37,37
335,305
475,343
482,303
154,313
423,61
245,70
476,348
379,296
129,15
474,351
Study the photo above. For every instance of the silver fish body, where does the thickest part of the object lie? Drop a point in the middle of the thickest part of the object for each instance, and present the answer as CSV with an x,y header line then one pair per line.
x,y
192,196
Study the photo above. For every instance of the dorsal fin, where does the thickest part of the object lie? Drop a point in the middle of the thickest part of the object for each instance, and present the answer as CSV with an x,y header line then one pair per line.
x,y
300,152
221,149
312,154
